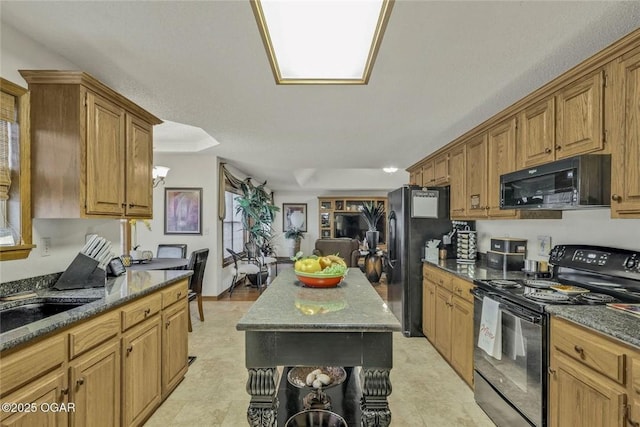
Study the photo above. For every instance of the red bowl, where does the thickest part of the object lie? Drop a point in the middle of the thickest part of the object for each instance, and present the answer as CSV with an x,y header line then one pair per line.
x,y
319,280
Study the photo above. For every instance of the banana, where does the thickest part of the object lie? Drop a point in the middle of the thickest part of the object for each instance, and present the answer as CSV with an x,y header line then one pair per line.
x,y
337,260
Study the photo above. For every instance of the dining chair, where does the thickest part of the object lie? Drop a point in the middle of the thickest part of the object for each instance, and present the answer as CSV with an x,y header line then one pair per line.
x,y
197,263
256,255
241,269
171,250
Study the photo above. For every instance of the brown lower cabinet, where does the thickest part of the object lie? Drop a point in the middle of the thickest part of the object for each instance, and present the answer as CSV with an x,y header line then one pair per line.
x,y
112,370
447,318
594,381
141,375
94,381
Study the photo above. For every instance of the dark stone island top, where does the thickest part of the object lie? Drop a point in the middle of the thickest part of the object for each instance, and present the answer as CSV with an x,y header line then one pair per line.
x,y
287,305
118,291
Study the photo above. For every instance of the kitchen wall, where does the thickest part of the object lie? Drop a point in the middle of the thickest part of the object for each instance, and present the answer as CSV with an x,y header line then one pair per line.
x,y
196,171
593,226
67,236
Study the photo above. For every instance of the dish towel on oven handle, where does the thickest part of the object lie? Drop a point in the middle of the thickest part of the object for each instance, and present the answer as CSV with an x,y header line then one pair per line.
x,y
518,340
490,334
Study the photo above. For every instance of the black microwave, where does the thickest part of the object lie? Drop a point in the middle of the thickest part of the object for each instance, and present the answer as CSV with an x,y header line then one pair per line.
x,y
573,183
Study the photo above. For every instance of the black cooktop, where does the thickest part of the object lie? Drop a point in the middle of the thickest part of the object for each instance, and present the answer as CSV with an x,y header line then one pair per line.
x,y
606,275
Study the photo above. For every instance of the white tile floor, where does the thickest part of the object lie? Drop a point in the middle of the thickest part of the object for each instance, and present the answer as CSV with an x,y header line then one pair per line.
x,y
426,391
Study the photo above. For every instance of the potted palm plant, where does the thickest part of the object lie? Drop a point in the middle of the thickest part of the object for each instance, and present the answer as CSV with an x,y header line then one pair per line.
x,y
372,212
257,213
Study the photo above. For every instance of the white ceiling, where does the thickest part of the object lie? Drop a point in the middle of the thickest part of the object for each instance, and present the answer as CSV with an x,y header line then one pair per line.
x,y
443,67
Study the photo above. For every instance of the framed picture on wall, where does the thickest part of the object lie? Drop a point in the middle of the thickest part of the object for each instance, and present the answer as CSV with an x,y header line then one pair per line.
x,y
183,211
294,215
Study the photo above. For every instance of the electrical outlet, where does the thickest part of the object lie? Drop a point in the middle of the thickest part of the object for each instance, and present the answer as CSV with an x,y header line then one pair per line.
x,y
45,246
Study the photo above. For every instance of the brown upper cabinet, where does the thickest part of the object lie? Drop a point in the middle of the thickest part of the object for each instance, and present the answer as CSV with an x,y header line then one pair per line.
x,y
501,154
458,194
476,175
565,124
92,149
537,134
432,172
487,156
625,135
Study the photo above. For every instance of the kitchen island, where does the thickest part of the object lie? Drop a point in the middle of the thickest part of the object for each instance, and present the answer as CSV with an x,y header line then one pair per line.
x,y
292,325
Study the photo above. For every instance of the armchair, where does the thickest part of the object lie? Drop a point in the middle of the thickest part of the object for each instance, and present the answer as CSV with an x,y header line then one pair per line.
x,y
345,247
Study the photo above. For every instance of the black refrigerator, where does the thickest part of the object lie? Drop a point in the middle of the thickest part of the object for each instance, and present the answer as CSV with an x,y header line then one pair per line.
x,y
415,215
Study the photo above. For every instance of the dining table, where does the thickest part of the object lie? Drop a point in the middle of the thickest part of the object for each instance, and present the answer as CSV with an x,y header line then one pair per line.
x,y
160,264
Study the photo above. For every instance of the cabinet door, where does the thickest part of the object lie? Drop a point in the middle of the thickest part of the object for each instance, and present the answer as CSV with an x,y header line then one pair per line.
x,y
441,169
457,181
579,117
443,322
577,398
49,389
625,161
418,176
413,177
141,375
139,185
428,174
428,309
95,387
501,148
105,157
175,345
462,338
476,175
536,140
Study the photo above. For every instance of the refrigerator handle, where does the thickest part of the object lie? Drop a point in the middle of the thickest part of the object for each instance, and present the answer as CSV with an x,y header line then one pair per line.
x,y
393,240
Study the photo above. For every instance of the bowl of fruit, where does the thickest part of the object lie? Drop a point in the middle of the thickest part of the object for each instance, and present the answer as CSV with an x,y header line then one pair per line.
x,y
320,272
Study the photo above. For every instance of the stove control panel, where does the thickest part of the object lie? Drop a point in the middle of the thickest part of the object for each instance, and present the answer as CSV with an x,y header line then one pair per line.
x,y
597,259
591,257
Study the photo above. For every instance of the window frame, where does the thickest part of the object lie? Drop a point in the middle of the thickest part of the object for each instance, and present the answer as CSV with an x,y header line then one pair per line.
x,y
226,257
23,248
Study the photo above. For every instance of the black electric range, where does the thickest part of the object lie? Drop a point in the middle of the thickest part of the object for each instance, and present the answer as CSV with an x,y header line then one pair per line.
x,y
511,379
605,274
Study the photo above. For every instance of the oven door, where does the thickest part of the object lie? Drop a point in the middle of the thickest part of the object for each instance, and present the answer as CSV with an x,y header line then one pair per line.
x,y
517,375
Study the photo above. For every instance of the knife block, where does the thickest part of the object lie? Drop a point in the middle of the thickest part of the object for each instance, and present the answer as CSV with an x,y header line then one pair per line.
x,y
83,272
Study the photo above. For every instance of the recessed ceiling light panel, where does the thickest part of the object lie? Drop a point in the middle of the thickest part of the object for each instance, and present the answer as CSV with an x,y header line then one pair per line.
x,y
322,42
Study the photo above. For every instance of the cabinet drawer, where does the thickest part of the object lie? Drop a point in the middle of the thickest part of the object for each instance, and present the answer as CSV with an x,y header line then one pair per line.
x,y
22,366
438,276
93,333
462,288
174,293
596,352
138,311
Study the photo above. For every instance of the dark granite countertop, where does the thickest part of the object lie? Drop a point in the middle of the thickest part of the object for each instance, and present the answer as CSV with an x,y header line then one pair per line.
x,y
287,305
118,291
478,270
623,326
